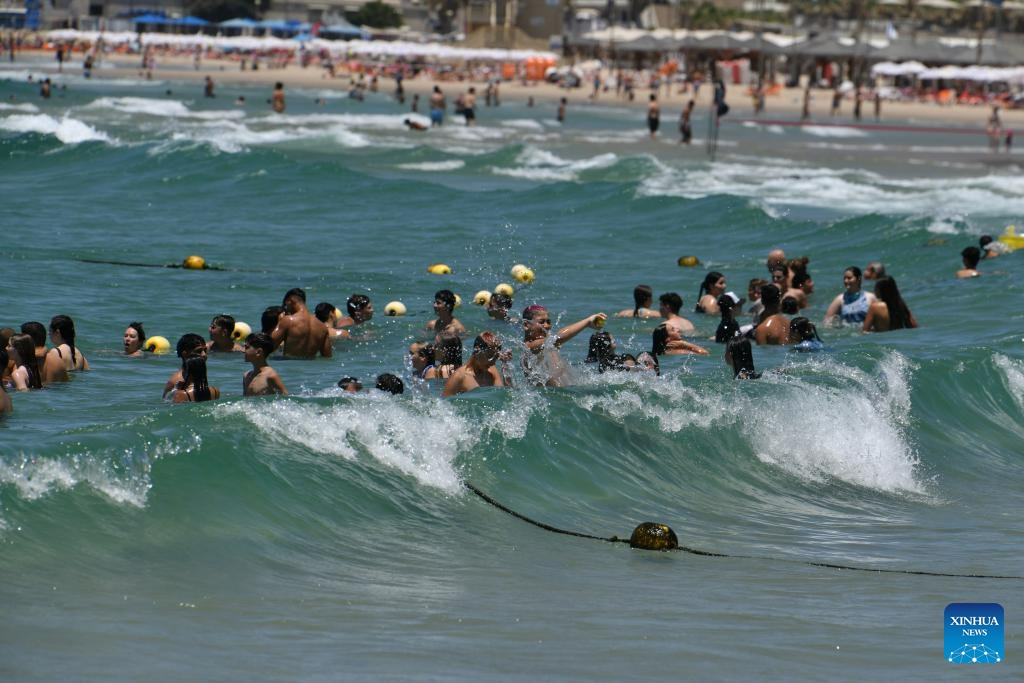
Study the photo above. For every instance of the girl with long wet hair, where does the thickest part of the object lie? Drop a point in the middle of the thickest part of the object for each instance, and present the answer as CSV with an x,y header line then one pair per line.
x,y
26,373
711,288
890,311
194,386
62,333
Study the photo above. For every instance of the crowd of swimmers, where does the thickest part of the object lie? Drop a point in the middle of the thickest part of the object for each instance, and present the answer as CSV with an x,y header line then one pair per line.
x,y
769,315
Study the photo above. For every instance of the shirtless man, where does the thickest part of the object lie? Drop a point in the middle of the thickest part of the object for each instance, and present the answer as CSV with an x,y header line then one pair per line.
x,y
653,115
222,327
277,98
542,363
299,333
774,326
437,107
469,106
360,309
446,323
262,380
970,256
51,367
479,370
776,259
669,305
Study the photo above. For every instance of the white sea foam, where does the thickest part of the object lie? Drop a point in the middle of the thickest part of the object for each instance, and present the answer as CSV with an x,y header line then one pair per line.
x,y
451,165
68,130
833,132
36,478
540,164
1013,372
21,106
141,105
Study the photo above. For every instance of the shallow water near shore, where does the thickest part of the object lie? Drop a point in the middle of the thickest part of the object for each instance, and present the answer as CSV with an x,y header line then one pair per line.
x,y
325,537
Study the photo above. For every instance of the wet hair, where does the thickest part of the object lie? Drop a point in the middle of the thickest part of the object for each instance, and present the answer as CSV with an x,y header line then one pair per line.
x,y
672,300
448,350
887,292
659,340
756,284
324,311
877,268
800,278
803,329
856,272
742,356
426,350
783,282
790,306
269,318
345,382
984,240
728,327
4,360
705,287
137,326
358,302
390,383
35,330
501,300
261,341
296,292
225,322
66,326
446,297
193,371
601,351
971,257
532,310
642,360
642,294
798,265
485,341
5,336
187,343
771,296
26,348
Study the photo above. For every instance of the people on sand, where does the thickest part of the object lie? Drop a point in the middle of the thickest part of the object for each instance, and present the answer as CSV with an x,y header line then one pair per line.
x,y
669,305
62,334
643,297
222,327
667,341
299,333
653,115
134,339
277,98
970,257
542,363
888,311
480,370
712,287
851,306
194,386
262,380
446,322
27,374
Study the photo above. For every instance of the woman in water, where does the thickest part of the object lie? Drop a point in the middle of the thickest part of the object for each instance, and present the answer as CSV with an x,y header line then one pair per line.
x,y
643,297
134,339
740,357
62,334
711,288
194,387
852,305
26,373
889,312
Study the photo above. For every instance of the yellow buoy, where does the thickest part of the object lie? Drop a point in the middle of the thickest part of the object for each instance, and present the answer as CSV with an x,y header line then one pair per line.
x,y
158,344
439,269
525,276
653,536
517,269
504,288
688,261
241,331
394,308
338,315
458,300
194,262
482,298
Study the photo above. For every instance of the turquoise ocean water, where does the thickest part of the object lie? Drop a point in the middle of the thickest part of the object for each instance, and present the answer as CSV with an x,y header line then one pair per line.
x,y
329,537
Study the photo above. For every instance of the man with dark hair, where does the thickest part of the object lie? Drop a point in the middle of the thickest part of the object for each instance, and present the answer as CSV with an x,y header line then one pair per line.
x,y
262,380
50,368
970,256
360,309
479,370
390,383
299,333
222,327
446,323
499,305
669,305
190,345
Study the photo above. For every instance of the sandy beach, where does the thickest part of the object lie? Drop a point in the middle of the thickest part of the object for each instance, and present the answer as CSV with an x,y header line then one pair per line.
x,y
783,106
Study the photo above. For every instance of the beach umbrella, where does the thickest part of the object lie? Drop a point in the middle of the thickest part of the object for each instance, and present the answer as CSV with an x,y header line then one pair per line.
x,y
241,22
150,18
189,21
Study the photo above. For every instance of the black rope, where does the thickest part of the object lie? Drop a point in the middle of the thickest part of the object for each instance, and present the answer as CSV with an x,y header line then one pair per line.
x,y
146,265
705,553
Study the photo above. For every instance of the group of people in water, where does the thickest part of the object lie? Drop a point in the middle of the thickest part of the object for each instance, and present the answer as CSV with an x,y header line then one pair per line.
x,y
769,315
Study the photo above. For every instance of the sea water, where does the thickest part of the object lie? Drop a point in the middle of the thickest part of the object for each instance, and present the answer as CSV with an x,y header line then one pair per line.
x,y
325,536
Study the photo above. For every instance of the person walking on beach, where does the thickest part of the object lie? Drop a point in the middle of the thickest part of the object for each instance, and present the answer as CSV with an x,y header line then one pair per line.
x,y
437,107
277,98
653,115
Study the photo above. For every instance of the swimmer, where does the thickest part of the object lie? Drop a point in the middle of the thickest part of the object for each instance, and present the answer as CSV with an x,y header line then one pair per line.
x,y
643,297
667,341
134,339
889,311
711,288
422,359
390,383
970,257
669,305
480,370
51,366
414,125
851,306
445,323
360,310
299,333
262,380
542,363
740,357
26,375
189,346
222,327
194,386
773,328
5,399
350,385
62,334
277,98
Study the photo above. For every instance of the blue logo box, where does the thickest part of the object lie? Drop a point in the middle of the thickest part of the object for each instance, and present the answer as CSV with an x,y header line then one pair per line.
x,y
973,633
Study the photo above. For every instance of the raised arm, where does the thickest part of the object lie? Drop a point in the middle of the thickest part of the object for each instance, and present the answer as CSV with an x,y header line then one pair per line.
x,y
570,331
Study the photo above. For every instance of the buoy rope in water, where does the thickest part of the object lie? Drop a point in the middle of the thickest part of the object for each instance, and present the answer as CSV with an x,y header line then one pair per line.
x,y
147,265
705,553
